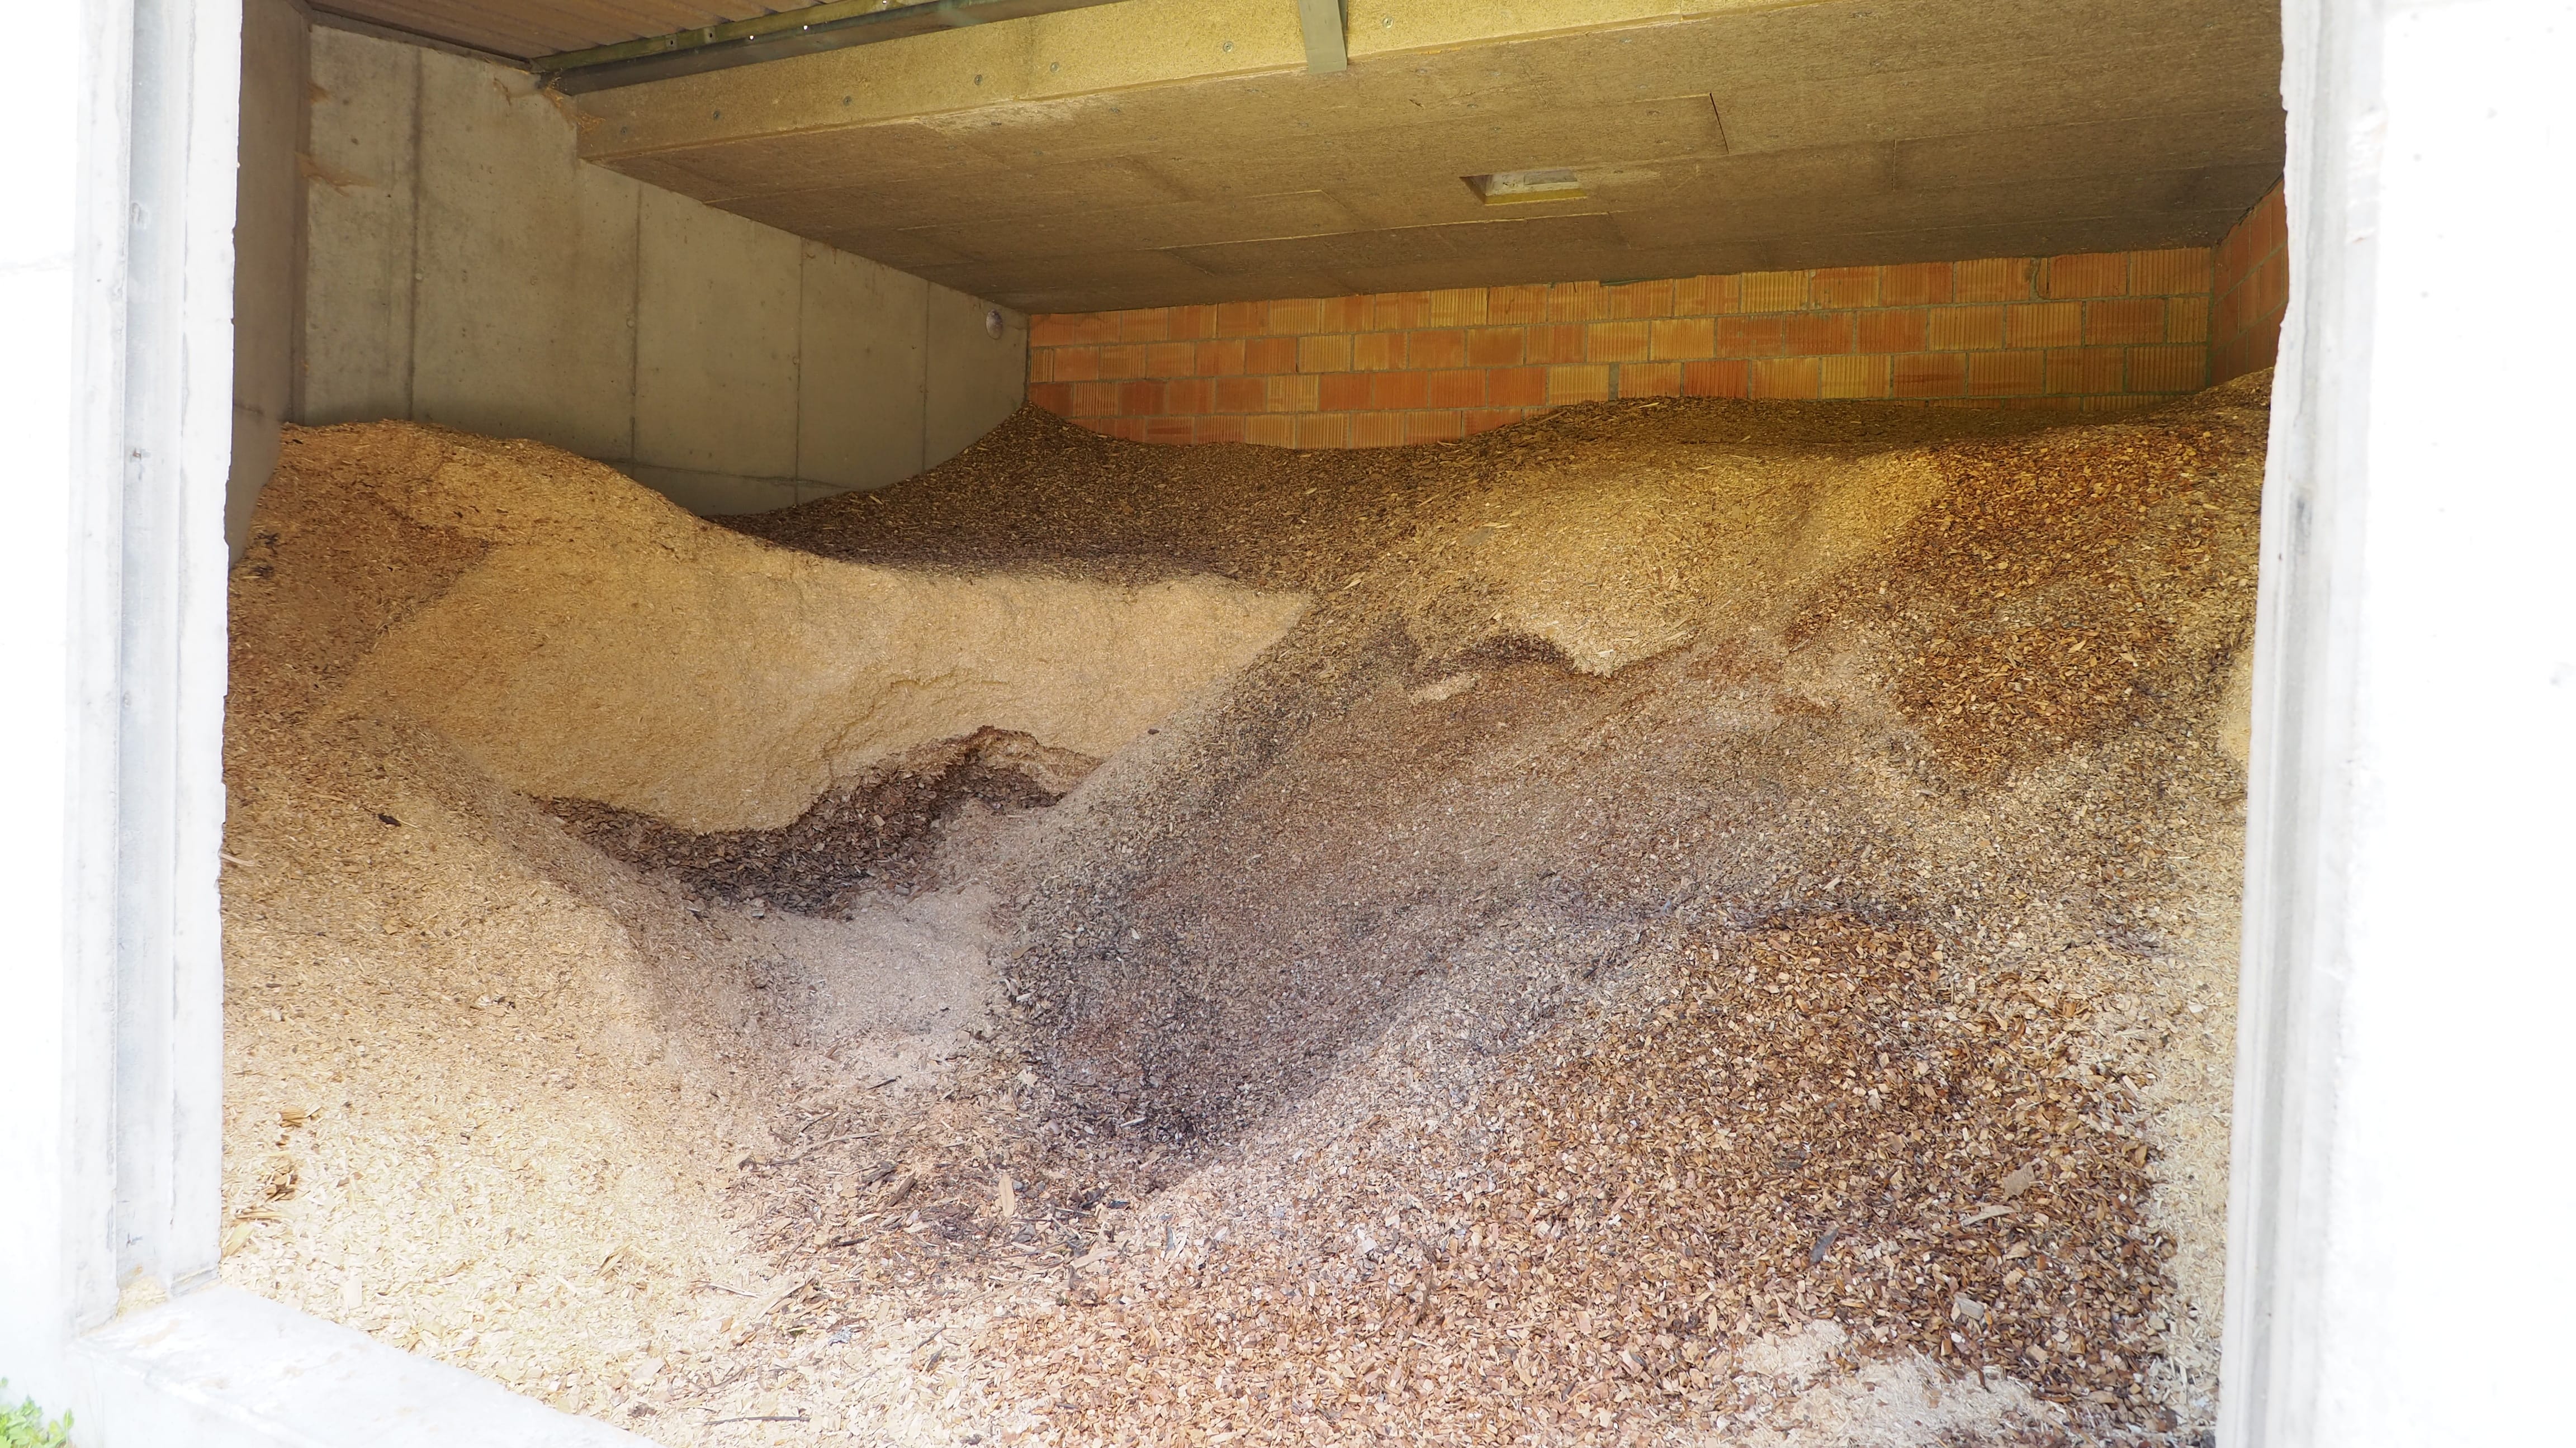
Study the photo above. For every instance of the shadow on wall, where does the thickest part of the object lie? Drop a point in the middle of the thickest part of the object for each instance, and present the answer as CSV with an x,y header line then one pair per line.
x,y
418,240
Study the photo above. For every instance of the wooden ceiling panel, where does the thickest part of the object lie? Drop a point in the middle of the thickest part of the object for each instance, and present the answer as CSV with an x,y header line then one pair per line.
x,y
1194,159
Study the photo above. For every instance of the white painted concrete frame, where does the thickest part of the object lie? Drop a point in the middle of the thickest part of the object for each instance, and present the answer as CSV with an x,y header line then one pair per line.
x,y
2394,1273
2402,1177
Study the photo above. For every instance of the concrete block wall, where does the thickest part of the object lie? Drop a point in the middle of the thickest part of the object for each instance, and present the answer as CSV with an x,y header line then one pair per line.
x,y
2252,289
268,247
447,258
2094,332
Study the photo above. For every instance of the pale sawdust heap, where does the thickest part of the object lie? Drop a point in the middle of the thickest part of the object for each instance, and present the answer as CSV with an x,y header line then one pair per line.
x,y
606,645
1720,916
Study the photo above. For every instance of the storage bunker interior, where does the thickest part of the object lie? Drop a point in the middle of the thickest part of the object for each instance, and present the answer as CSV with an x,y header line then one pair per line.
x,y
1156,723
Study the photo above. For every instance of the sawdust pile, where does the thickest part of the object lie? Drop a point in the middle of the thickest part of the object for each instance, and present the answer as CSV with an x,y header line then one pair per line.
x,y
1695,916
606,646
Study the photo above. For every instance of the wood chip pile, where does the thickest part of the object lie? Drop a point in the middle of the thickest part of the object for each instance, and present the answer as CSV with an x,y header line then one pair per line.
x,y
1717,918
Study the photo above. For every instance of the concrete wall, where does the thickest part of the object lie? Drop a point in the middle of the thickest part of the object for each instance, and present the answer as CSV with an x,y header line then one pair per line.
x,y
268,238
462,266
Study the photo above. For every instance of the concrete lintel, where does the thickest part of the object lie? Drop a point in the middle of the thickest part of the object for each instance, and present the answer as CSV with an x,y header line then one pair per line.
x,y
1321,23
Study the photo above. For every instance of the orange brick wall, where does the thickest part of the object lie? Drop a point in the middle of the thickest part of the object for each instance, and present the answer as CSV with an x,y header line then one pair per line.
x,y
2252,290
2092,332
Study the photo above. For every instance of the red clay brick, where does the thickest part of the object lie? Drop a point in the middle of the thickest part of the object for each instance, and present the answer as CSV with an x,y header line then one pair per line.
x,y
1330,352
1433,427
1516,387
1300,393
1242,319
2169,368
1263,355
1077,364
1994,279
2113,323
1896,329
1055,397
1193,324
2185,271
1929,374
1495,346
1727,377
2044,324
1486,419
1345,314
2187,319
1389,311
1615,342
1683,340
1458,387
1707,296
1399,391
1852,377
1172,359
1787,377
1219,359
2270,281
1190,396
1847,286
1296,318
1427,350
1377,429
1041,365
1819,335
1171,430
1242,394
1055,329
1140,399
1270,431
1219,428
1966,328
1556,342
2086,274
1516,305
2117,404
1324,429
1145,324
1578,384
1125,359
1130,428
1377,351
1780,291
1344,392
1577,302
2084,369
1914,284
1641,299
1458,307
1095,399
1751,336
1650,379
2005,374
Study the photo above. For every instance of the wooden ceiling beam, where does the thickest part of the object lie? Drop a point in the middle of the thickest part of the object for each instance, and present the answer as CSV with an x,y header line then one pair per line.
x,y
836,25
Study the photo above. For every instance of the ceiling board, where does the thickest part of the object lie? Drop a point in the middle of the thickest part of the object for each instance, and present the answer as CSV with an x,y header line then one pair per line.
x,y
1833,133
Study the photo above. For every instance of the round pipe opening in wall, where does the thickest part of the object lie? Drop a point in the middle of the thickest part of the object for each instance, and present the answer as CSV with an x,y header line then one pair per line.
x,y
993,323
